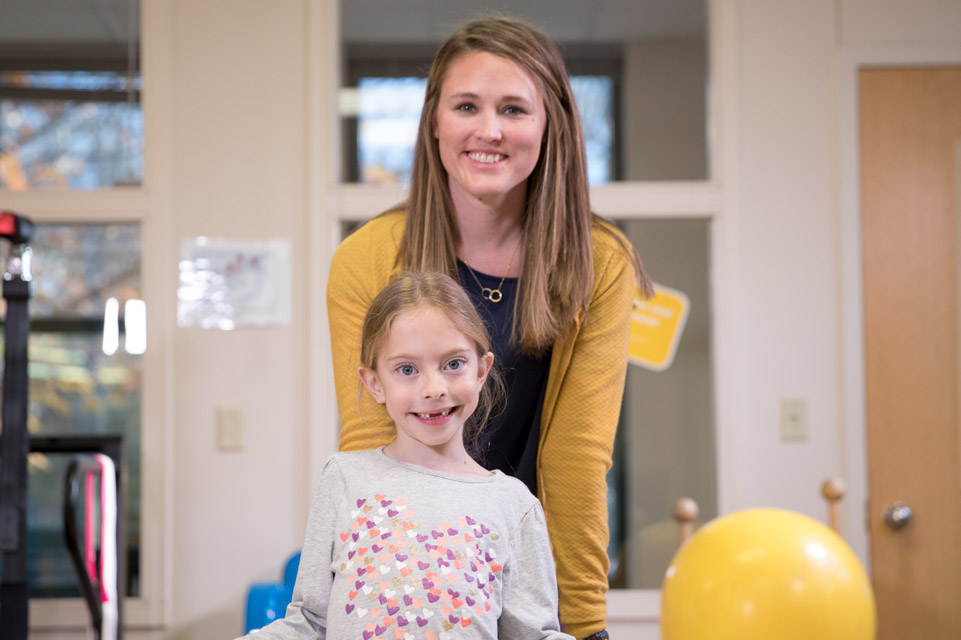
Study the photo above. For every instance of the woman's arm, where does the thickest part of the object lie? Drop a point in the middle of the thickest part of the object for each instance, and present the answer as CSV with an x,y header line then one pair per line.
x,y
361,267
576,448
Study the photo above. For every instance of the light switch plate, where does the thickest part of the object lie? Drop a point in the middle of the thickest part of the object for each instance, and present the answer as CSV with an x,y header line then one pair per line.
x,y
230,428
794,419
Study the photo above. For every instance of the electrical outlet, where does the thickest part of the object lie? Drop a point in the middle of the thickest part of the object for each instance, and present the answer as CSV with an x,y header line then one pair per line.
x,y
794,419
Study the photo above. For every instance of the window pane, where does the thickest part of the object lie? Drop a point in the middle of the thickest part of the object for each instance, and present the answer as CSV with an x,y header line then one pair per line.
x,y
595,104
75,388
665,447
388,112
74,143
642,69
70,115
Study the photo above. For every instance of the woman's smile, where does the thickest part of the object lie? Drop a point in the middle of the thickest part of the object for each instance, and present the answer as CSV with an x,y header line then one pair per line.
x,y
489,126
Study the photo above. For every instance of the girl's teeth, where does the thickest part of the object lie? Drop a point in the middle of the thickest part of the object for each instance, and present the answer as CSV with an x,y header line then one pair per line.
x,y
433,416
486,158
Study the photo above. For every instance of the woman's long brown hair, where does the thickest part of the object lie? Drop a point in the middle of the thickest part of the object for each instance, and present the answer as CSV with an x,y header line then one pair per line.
x,y
557,270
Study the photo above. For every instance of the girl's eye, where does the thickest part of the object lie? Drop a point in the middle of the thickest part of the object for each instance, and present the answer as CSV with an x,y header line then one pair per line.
x,y
406,370
455,365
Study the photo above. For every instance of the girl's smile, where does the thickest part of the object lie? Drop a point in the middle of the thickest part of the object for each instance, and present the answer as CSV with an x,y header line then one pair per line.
x,y
429,377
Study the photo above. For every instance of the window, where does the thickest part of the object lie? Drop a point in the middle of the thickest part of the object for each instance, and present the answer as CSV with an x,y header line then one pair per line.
x,y
387,112
656,55
69,129
75,387
70,92
665,446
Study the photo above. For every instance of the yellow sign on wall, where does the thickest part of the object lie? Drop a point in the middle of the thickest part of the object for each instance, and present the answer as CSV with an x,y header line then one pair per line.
x,y
656,327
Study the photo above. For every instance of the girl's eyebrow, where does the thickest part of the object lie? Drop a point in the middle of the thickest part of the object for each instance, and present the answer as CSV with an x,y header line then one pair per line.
x,y
445,356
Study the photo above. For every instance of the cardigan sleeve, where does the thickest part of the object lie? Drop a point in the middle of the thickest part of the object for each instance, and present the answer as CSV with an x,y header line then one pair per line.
x,y
576,448
361,267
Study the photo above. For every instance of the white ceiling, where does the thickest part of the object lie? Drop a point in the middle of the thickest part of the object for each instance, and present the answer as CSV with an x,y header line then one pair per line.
x,y
367,21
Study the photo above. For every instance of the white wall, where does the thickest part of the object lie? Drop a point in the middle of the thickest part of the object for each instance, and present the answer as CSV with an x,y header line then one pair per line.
x,y
788,254
239,158
239,122
786,258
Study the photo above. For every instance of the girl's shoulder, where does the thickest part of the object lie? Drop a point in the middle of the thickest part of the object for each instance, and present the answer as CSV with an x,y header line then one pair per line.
x,y
515,492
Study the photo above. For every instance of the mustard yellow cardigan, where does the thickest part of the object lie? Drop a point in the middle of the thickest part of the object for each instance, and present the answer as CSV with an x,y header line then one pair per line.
x,y
581,404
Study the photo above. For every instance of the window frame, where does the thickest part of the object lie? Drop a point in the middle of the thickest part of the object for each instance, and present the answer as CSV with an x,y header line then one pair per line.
x,y
148,205
333,202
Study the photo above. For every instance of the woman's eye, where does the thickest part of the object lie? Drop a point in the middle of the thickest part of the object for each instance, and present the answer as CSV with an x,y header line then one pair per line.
x,y
406,370
467,106
513,111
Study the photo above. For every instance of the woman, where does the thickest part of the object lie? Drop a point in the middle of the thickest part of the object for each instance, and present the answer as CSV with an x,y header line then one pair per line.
x,y
499,200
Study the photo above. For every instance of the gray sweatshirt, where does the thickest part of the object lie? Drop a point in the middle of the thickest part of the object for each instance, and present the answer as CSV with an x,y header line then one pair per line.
x,y
394,551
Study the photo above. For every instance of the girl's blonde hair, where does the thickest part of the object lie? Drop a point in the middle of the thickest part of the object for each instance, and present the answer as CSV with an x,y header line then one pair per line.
x,y
557,271
416,291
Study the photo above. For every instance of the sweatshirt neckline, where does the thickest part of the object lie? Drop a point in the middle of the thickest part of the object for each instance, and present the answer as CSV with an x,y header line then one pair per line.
x,y
495,474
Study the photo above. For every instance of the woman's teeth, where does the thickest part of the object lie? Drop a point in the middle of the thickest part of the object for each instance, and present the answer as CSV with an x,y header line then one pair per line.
x,y
486,158
434,416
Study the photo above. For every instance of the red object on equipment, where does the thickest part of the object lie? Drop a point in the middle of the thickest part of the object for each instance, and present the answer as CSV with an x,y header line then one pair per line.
x,y
16,228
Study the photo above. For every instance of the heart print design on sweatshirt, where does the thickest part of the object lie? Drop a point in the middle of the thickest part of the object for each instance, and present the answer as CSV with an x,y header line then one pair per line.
x,y
413,582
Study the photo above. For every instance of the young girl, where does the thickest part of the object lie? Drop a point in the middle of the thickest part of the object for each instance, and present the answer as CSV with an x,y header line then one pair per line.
x,y
415,540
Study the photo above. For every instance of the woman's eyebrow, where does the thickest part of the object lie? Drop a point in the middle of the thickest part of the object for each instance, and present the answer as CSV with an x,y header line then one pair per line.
x,y
467,95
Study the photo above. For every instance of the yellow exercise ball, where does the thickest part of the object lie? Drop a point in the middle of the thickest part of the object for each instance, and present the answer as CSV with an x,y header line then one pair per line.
x,y
766,574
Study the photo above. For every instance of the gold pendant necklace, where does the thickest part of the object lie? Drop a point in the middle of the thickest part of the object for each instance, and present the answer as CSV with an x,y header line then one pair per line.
x,y
494,295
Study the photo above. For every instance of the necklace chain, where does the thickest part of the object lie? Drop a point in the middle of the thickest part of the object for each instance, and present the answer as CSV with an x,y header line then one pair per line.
x,y
494,295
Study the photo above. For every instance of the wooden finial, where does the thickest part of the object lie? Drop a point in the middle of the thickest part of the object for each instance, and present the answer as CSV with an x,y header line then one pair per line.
x,y
833,490
685,511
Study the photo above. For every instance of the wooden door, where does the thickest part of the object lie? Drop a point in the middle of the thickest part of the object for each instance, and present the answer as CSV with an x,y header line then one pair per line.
x,y
910,189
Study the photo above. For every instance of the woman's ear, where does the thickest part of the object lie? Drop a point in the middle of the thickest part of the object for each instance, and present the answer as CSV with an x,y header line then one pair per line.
x,y
484,365
372,383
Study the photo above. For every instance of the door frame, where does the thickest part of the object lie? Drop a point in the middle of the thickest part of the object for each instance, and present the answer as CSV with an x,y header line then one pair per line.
x,y
853,436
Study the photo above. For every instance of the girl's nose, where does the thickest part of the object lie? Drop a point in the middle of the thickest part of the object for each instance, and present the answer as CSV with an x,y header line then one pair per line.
x,y
434,385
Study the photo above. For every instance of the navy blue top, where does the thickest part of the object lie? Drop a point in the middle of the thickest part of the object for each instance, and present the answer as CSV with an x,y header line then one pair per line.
x,y
509,441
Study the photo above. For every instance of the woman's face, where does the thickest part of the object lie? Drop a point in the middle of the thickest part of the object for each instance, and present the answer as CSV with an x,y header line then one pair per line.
x,y
489,124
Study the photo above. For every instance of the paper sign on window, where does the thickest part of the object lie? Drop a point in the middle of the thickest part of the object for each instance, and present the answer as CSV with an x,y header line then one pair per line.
x,y
656,327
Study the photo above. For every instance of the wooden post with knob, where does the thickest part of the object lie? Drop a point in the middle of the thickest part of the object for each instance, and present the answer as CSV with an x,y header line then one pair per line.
x,y
685,511
833,490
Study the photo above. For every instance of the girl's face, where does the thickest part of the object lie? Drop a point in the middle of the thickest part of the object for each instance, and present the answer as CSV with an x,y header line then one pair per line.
x,y
429,377
489,124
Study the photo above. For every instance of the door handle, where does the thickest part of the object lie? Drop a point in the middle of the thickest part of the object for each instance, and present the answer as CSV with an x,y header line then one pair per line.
x,y
897,516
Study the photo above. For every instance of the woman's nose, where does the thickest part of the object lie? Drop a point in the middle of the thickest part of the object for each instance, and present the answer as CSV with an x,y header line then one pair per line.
x,y
489,127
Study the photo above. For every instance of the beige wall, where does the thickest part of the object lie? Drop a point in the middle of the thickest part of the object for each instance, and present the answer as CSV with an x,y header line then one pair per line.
x,y
237,116
239,122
